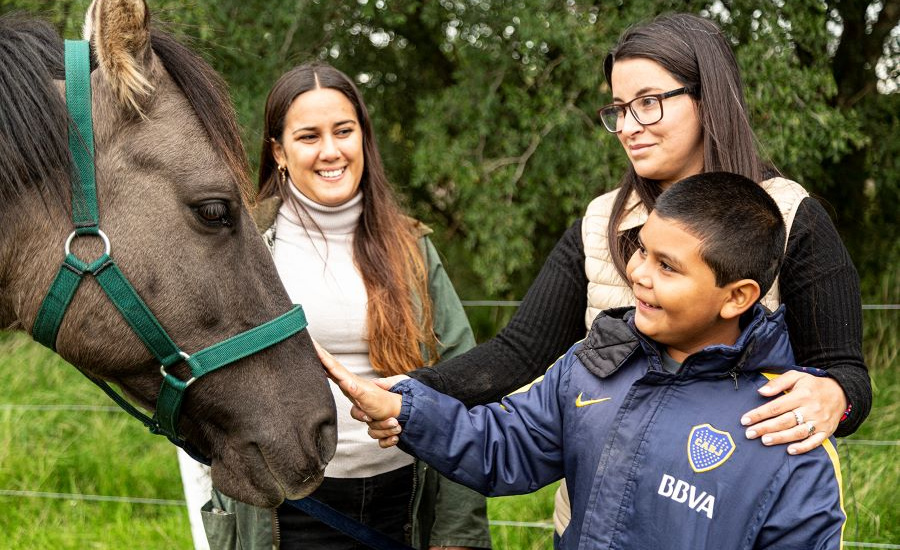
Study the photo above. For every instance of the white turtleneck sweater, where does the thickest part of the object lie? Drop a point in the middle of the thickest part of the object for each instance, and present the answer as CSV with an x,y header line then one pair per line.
x,y
318,272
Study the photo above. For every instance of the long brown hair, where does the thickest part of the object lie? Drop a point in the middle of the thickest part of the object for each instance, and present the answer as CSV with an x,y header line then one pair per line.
x,y
696,53
385,244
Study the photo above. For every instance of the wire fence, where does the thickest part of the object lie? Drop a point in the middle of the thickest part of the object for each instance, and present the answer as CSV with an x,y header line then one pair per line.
x,y
167,502
500,523
181,503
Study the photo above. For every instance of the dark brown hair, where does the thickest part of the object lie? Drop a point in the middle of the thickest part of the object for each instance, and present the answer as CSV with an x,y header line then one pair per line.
x,y
710,206
696,53
385,245
34,149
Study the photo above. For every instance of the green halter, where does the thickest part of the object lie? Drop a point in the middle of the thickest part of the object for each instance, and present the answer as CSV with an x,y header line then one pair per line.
x,y
107,274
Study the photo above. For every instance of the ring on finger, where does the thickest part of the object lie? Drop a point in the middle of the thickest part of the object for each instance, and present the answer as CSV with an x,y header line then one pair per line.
x,y
798,416
810,428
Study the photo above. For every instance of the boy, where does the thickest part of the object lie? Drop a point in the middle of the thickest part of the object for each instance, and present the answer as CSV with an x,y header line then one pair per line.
x,y
639,416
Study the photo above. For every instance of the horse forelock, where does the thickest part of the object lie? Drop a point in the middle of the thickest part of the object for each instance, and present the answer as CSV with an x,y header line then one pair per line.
x,y
207,94
34,149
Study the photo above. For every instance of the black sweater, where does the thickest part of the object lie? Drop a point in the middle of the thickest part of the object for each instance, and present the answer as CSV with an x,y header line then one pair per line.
x,y
818,284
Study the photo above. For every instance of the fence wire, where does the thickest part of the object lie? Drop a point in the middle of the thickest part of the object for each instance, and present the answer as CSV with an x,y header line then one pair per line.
x,y
498,523
166,502
11,493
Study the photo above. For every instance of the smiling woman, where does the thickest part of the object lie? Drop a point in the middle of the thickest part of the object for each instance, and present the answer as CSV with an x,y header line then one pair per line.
x,y
321,147
665,144
377,297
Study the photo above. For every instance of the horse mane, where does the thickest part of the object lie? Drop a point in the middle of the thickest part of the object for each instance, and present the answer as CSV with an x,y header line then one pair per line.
x,y
34,147
207,93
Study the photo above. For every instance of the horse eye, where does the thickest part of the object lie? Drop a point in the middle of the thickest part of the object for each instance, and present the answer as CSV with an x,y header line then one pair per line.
x,y
214,214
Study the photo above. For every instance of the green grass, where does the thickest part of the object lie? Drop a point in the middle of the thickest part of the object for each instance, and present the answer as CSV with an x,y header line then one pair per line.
x,y
79,453
534,508
110,454
872,473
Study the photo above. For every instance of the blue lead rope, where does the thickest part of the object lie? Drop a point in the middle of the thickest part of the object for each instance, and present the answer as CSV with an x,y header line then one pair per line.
x,y
349,526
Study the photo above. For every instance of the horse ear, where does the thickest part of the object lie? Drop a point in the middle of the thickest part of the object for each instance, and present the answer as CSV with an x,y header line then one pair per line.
x,y
120,33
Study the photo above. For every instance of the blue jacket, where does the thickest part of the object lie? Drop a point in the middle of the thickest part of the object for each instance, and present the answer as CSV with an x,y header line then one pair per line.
x,y
653,459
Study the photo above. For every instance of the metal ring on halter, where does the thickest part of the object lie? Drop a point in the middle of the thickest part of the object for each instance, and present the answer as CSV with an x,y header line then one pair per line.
x,y
798,416
162,369
100,234
810,428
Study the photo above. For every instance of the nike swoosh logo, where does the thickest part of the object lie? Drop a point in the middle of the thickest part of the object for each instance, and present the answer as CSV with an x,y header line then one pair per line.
x,y
580,403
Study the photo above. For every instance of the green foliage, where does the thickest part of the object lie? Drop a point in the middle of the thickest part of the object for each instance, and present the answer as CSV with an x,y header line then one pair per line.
x,y
484,109
484,112
515,150
495,141
794,118
877,247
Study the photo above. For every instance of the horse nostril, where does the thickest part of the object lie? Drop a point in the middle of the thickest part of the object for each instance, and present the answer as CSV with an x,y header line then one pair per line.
x,y
326,441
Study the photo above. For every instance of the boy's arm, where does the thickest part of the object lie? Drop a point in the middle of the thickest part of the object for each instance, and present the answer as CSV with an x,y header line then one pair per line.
x,y
508,448
499,449
808,509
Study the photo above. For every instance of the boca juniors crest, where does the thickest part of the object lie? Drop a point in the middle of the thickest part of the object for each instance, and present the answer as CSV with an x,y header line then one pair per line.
x,y
708,447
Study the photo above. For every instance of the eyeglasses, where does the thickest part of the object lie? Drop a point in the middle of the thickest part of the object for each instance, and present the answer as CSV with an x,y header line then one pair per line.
x,y
646,110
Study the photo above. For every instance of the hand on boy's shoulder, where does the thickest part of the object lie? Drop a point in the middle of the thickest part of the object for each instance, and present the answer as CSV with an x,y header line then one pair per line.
x,y
369,396
805,411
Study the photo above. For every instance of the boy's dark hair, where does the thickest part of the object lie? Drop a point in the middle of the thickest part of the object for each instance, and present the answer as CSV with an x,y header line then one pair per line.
x,y
739,225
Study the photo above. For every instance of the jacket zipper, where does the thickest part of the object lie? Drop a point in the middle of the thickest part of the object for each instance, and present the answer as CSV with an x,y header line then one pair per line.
x,y
276,530
412,500
733,373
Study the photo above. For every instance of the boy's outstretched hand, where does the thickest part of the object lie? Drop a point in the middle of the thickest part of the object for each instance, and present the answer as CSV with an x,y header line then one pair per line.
x,y
369,396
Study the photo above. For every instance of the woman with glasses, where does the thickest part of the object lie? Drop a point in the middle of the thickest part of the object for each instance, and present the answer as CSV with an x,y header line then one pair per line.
x,y
678,109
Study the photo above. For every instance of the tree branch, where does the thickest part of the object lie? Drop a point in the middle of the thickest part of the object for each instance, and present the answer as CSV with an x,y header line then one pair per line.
x,y
887,20
482,140
522,160
532,147
853,73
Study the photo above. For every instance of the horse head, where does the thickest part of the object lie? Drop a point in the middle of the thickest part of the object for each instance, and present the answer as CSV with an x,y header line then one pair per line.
x,y
172,192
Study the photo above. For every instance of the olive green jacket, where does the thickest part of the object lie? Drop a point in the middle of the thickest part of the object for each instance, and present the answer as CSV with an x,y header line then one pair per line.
x,y
442,513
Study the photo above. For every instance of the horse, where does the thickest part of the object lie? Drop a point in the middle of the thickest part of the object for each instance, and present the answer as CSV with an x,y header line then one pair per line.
x,y
172,194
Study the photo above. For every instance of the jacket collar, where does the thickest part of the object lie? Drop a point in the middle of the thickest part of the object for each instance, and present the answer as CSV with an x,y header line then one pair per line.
x,y
610,342
763,344
265,211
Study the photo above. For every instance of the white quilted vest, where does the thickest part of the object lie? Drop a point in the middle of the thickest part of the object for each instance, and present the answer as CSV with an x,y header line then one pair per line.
x,y
606,289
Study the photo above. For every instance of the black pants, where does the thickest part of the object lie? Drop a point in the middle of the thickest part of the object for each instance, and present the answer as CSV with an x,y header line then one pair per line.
x,y
381,502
